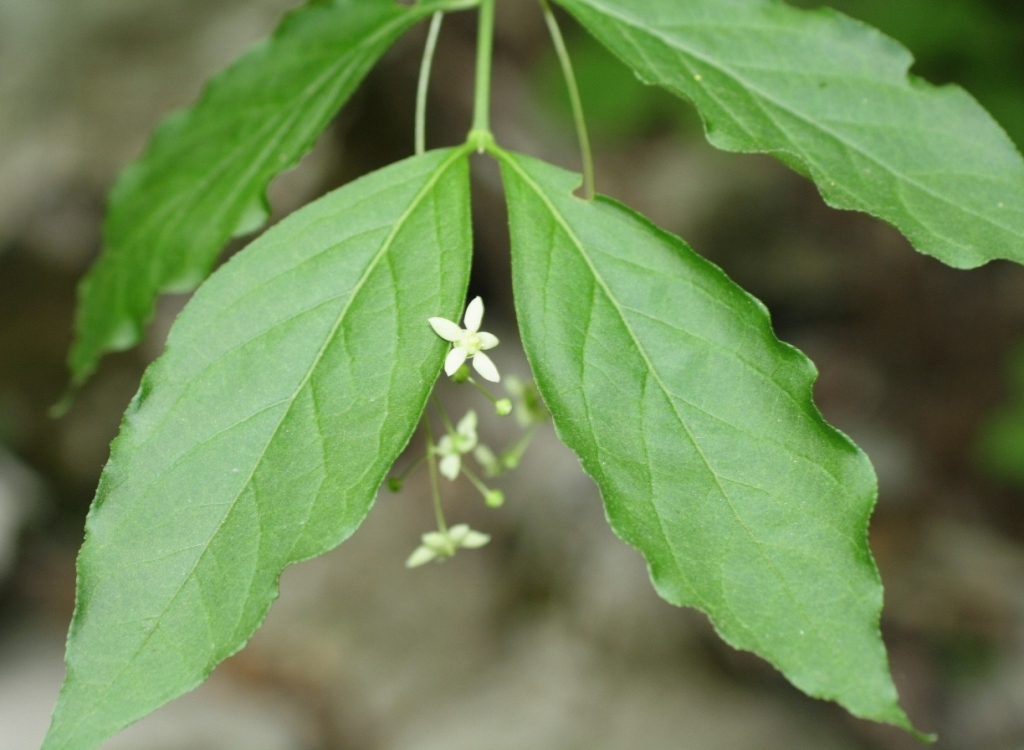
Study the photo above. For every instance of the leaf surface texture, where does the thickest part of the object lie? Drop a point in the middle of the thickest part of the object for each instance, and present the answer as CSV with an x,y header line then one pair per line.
x,y
831,97
698,425
204,175
291,382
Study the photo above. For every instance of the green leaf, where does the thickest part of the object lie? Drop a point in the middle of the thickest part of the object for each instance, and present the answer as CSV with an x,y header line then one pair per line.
x,y
831,97
698,426
291,382
203,177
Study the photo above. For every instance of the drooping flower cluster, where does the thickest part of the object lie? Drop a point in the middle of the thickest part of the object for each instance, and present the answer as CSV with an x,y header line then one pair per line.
x,y
447,455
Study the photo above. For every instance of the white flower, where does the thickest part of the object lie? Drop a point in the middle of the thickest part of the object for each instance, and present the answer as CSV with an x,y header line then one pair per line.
x,y
486,458
469,342
530,409
452,448
438,545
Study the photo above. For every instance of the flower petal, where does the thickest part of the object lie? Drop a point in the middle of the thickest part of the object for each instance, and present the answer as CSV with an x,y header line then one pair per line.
x,y
458,533
487,340
450,466
467,425
486,368
474,315
435,540
455,359
446,329
445,446
515,386
474,540
420,556
485,456
467,443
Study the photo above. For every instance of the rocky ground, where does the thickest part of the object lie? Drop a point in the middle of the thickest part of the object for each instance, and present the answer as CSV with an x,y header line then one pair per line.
x,y
551,637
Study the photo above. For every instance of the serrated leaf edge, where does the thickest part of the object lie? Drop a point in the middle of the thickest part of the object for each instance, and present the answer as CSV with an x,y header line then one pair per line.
x,y
139,400
793,354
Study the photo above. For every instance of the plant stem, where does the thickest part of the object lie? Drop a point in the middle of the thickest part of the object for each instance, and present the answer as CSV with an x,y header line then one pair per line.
x,y
435,489
472,381
448,426
476,481
411,468
519,447
574,98
481,131
424,84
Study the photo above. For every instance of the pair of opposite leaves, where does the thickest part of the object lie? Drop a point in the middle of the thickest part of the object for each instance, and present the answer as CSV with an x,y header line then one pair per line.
x,y
298,372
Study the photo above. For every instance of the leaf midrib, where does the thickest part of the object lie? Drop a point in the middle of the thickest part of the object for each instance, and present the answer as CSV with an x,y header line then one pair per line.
x,y
441,169
578,243
676,44
185,202
341,70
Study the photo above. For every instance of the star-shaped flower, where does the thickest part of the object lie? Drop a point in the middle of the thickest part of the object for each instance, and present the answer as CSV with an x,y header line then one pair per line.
x,y
469,342
452,448
438,545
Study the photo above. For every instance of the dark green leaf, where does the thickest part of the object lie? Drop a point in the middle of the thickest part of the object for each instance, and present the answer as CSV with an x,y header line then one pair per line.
x,y
698,425
831,97
204,175
290,384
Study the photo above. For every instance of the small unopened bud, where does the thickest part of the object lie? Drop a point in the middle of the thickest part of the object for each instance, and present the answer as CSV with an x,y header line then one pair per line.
x,y
494,499
510,461
503,407
461,375
395,484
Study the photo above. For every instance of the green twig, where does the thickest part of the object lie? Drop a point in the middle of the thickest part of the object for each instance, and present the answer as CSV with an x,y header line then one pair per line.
x,y
589,189
480,134
424,84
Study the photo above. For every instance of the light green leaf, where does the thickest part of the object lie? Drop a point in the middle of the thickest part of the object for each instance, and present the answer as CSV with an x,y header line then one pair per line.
x,y
204,175
699,428
291,382
831,97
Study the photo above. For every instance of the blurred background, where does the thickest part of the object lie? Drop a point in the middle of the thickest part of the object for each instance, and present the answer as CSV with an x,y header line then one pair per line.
x,y
551,638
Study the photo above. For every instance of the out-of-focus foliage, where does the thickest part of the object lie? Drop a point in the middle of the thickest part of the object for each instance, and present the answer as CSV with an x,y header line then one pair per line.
x,y
1001,441
619,107
204,176
515,577
830,97
976,43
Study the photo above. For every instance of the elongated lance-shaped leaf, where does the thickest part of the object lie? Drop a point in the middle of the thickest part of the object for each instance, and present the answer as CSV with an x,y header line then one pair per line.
x,y
831,97
204,176
290,384
698,425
